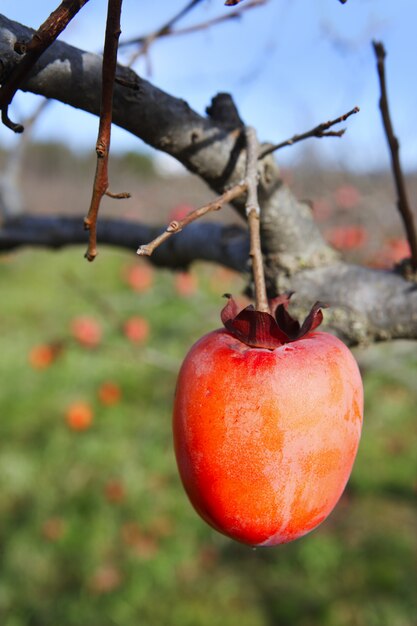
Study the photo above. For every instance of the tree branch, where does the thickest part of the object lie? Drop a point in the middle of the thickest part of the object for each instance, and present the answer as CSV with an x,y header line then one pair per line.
x,y
394,147
319,131
167,29
366,305
176,226
101,178
32,50
226,245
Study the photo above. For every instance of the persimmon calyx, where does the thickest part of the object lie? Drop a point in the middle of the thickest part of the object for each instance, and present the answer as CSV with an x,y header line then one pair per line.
x,y
258,329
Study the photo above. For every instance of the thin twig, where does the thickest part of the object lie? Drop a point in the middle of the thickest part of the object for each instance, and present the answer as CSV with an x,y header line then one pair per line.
x,y
161,31
11,197
32,50
394,146
253,215
177,225
101,179
167,30
322,130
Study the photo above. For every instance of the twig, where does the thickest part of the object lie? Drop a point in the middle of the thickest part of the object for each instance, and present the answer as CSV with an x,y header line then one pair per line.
x,y
32,50
160,32
250,185
253,215
11,197
101,179
177,226
318,131
167,30
394,146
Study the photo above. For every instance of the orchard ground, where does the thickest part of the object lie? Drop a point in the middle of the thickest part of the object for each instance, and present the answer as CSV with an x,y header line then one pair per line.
x,y
95,527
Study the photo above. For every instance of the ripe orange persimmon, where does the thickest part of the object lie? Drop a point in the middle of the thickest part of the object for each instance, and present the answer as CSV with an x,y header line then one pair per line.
x,y
267,421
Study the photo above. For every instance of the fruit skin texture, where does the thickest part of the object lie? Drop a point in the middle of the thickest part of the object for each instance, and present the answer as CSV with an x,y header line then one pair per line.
x,y
265,439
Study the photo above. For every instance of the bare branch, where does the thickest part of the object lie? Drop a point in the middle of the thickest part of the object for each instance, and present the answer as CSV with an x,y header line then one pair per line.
x,y
318,131
394,146
162,31
11,197
32,50
365,304
167,29
369,305
177,225
226,245
101,179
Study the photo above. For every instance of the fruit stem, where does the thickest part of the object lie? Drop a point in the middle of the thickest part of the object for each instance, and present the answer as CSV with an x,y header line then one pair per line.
x,y
253,216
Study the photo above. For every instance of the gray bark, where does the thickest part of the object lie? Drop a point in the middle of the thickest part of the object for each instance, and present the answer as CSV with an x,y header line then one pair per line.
x,y
366,304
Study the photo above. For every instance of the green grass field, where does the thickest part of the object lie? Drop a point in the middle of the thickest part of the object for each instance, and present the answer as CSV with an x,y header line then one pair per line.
x,y
95,528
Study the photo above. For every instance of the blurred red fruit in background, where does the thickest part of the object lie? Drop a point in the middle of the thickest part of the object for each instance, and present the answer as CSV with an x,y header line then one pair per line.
x,y
136,329
179,212
393,251
43,355
322,209
398,249
347,196
53,528
347,237
79,416
114,491
87,331
106,579
185,284
109,393
139,277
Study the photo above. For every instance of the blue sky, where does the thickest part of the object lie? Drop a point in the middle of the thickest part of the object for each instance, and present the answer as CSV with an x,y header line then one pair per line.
x,y
289,65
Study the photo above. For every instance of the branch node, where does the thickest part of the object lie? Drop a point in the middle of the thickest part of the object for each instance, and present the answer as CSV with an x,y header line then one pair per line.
x,y
90,255
144,250
174,227
20,47
118,196
16,128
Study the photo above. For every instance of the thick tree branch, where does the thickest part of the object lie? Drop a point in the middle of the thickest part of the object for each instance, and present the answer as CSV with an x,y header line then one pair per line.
x,y
366,305
226,245
32,50
204,145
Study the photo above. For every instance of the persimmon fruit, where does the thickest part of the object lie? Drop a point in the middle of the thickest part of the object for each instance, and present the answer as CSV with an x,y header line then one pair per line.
x,y
267,421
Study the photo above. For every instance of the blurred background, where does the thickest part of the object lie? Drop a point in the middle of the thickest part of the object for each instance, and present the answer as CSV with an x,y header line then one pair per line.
x,y
95,528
